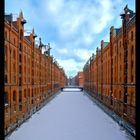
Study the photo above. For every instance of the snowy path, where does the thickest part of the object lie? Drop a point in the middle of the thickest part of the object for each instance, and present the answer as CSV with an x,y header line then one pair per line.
x,y
70,116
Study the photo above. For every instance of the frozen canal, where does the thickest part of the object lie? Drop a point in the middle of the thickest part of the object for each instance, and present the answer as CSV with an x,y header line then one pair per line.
x,y
70,116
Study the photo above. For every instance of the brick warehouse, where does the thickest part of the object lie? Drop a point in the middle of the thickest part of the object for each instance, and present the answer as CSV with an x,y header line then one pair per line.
x,y
31,76
79,79
110,75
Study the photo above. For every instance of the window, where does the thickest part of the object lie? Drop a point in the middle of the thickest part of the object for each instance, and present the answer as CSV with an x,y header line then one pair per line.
x,y
120,44
14,54
32,93
120,79
25,70
14,78
21,34
20,81
20,47
20,58
20,96
32,101
24,93
20,107
28,92
132,50
25,60
5,59
5,78
20,70
5,66
132,64
131,35
25,79
6,98
5,52
132,77
14,96
14,67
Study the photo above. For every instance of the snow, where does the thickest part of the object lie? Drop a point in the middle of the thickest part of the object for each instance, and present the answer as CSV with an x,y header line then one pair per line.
x,y
6,104
70,116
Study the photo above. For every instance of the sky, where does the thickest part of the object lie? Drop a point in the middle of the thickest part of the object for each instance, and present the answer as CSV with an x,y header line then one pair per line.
x,y
71,115
74,28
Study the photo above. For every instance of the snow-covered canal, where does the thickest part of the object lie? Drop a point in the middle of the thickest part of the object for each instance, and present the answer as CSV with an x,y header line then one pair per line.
x,y
70,116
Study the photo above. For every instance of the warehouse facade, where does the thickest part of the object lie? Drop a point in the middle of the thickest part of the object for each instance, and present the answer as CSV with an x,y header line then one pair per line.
x,y
31,77
110,74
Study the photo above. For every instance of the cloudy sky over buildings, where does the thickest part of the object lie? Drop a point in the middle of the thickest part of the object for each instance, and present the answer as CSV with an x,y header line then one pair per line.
x,y
74,28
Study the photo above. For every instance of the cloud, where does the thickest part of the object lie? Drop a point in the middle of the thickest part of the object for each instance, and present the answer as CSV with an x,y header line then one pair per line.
x,y
83,54
70,65
74,28
63,51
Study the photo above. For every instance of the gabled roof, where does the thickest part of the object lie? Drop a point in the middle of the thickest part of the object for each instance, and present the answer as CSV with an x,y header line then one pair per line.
x,y
27,38
131,20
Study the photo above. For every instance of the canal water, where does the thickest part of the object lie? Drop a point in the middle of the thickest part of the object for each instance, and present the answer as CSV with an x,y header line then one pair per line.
x,y
71,115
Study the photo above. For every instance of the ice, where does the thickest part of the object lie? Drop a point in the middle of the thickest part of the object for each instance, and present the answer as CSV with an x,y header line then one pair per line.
x,y
70,116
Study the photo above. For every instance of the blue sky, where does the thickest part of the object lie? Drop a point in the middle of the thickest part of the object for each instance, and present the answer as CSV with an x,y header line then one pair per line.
x,y
74,28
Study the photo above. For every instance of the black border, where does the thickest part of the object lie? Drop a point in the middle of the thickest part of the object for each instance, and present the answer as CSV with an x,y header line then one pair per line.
x,y
2,70
137,71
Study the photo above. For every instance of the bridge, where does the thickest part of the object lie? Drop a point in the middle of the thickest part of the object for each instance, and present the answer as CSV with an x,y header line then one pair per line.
x,y
72,88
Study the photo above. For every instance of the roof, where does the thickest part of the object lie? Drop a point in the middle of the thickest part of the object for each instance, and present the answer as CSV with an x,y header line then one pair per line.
x,y
9,17
27,38
131,20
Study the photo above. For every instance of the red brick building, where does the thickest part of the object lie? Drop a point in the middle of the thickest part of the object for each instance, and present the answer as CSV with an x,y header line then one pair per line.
x,y
110,75
79,79
30,76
